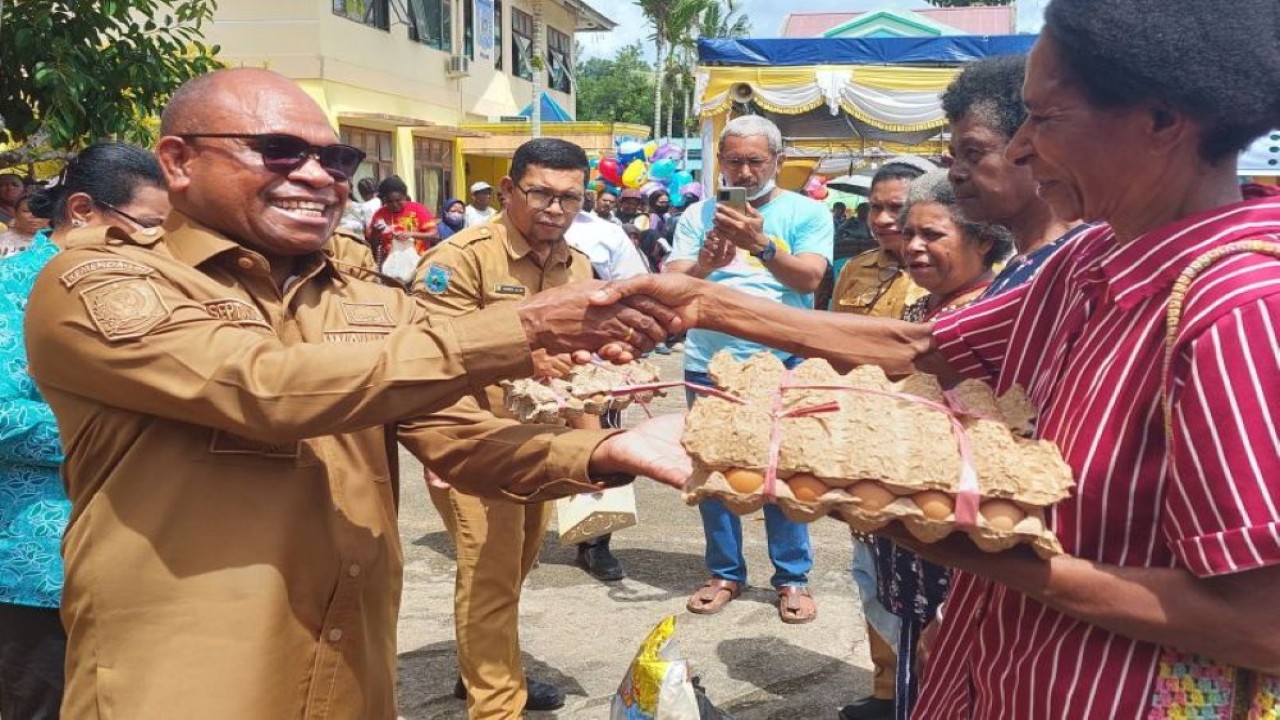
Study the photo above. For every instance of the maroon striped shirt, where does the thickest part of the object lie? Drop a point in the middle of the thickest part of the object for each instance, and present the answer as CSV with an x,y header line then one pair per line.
x,y
1086,338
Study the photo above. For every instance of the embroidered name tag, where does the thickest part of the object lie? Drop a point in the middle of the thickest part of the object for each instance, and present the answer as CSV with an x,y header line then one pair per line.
x,y
354,336
225,443
125,308
92,267
509,289
236,311
375,314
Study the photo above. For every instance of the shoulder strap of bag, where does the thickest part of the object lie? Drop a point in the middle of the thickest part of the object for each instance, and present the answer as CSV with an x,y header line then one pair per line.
x,y
1177,299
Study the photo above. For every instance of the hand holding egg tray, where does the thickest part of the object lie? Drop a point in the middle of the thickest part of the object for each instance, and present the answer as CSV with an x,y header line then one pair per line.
x,y
873,452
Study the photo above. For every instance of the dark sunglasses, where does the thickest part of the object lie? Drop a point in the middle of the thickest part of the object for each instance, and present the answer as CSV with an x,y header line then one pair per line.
x,y
285,153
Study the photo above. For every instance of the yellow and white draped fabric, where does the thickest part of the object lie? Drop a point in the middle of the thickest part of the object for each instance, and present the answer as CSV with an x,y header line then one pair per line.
x,y
889,98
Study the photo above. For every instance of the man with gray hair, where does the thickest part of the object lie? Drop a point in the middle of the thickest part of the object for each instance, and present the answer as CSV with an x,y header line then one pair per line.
x,y
778,245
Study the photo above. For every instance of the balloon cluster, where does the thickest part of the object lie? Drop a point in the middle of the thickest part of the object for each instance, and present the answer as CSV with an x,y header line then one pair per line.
x,y
816,188
647,167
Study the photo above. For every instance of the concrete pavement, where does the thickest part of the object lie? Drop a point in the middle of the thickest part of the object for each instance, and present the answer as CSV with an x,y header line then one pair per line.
x,y
581,634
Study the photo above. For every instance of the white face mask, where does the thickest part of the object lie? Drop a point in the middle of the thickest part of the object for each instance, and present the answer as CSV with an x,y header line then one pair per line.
x,y
764,190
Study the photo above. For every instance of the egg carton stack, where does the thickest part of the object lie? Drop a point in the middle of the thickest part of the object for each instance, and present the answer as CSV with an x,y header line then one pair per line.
x,y
874,452
592,389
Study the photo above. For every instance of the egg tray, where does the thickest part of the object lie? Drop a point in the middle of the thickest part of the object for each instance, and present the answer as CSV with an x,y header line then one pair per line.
x,y
836,502
902,435
588,389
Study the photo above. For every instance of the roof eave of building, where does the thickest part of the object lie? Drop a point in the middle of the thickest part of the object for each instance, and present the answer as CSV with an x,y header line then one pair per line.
x,y
589,19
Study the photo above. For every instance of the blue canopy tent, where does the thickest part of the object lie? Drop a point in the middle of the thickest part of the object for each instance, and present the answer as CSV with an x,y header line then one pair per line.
x,y
790,52
551,110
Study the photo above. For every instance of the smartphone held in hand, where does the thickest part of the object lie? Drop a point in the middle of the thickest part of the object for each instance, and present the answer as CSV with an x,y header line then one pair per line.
x,y
734,197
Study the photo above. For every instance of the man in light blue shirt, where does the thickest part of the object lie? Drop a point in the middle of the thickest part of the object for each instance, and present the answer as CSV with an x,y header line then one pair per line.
x,y
779,246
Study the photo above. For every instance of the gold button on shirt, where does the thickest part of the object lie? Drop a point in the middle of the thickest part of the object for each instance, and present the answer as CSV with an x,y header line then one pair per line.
x,y
874,284
232,550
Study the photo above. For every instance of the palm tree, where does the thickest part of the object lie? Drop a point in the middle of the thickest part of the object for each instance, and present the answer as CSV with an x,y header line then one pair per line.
x,y
718,19
671,20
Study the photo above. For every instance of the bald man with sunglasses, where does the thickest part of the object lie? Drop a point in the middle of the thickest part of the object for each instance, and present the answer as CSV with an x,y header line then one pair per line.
x,y
231,401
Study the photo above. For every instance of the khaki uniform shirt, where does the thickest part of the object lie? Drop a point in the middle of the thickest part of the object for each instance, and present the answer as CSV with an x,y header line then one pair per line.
x,y
232,550
874,284
351,255
488,265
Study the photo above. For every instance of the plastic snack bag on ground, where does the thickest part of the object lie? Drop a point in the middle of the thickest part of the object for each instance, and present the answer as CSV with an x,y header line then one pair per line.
x,y
657,686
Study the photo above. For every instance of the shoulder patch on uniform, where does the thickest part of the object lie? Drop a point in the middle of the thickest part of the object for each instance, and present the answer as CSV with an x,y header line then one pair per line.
x,y
125,308
237,311
510,289
92,267
375,314
437,280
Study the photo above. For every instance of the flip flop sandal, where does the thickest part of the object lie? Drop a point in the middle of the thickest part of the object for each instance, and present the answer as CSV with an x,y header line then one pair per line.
x,y
796,605
713,596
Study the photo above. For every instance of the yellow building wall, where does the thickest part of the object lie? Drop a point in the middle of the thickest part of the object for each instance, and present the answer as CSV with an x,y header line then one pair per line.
x,y
382,80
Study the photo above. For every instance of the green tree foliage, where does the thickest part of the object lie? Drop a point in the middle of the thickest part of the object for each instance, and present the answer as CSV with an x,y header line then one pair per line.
x,y
967,3
616,90
75,71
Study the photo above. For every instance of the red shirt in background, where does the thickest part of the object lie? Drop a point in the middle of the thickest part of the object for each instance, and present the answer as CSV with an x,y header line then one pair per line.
x,y
413,217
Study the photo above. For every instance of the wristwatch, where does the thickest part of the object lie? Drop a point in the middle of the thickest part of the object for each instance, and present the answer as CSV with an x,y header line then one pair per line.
x,y
768,253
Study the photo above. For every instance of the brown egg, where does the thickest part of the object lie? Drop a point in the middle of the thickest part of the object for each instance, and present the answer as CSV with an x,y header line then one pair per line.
x,y
806,487
872,494
1002,514
744,480
599,397
935,505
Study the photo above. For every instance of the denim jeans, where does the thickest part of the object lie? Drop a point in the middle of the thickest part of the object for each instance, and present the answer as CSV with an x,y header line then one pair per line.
x,y
788,541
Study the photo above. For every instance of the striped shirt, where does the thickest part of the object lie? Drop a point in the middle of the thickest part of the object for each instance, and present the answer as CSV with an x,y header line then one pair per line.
x,y
1085,337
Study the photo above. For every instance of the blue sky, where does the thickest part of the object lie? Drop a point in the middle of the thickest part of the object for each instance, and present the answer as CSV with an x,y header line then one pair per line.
x,y
766,18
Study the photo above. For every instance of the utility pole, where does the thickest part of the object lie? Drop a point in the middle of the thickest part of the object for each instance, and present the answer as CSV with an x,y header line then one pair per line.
x,y
539,64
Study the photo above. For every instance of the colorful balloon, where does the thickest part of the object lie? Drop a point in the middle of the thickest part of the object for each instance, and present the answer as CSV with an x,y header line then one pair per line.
x,y
650,148
663,170
693,188
629,152
634,176
611,170
681,178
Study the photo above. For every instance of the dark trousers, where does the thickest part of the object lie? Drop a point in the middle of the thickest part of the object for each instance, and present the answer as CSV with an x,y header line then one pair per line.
x,y
33,646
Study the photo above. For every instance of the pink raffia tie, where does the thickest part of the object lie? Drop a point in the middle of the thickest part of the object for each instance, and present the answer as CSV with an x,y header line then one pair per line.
x,y
776,416
968,493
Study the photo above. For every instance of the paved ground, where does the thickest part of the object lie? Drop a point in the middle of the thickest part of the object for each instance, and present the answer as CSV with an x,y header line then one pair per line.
x,y
582,634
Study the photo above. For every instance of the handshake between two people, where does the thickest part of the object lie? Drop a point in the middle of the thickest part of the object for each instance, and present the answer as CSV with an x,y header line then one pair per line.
x,y
618,322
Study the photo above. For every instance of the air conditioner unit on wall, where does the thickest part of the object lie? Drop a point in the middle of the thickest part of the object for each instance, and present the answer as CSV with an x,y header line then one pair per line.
x,y
459,66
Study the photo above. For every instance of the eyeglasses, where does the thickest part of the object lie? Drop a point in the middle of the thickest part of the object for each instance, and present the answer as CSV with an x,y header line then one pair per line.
x,y
283,153
127,216
540,199
750,162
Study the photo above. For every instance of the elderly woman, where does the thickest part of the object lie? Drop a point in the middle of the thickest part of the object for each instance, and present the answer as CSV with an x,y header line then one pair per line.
x,y
951,257
1137,112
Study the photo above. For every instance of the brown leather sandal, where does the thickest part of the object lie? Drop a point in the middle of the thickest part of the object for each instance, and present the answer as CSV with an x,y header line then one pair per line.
x,y
713,596
796,605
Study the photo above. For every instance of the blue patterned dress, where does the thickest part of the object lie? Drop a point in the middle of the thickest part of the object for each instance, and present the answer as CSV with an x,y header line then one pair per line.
x,y
33,505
